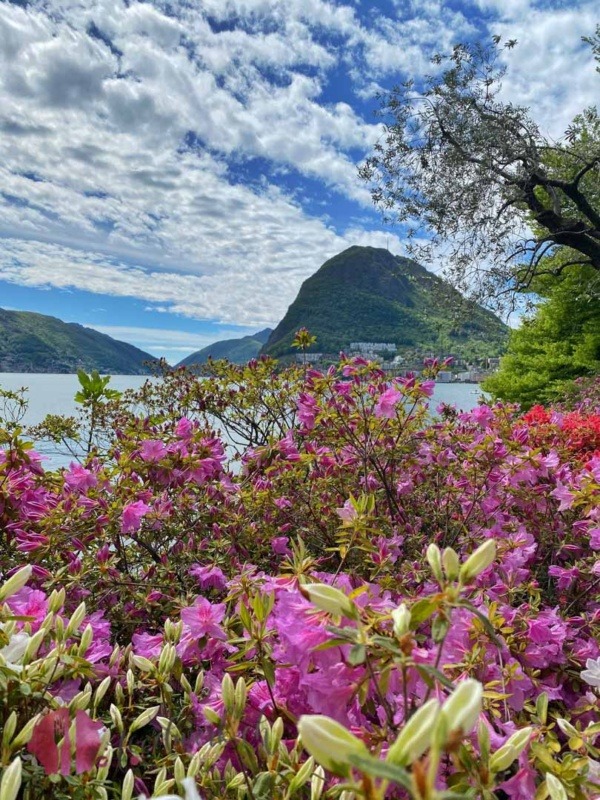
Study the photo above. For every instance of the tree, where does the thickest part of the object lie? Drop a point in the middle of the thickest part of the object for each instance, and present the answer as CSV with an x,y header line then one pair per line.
x,y
476,181
560,342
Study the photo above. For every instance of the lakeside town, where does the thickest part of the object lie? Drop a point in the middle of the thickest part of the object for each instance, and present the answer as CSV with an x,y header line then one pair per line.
x,y
384,354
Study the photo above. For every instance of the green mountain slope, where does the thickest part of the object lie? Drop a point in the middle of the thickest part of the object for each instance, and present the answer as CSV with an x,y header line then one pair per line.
x,y
366,294
36,343
238,351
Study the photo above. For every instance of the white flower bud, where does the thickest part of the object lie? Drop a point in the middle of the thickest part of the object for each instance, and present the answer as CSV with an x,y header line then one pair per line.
x,y
462,709
329,742
415,736
510,750
11,780
328,598
434,558
451,563
12,585
555,788
478,561
401,618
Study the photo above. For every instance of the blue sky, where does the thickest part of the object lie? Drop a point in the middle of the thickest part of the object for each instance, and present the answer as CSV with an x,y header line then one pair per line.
x,y
170,172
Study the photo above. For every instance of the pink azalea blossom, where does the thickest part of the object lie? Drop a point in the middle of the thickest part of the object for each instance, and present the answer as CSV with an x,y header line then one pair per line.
x,y
51,742
203,618
152,450
279,545
133,513
387,402
78,477
184,428
209,577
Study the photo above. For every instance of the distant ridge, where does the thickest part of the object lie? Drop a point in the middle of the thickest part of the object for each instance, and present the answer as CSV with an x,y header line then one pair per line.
x,y
238,351
366,294
31,342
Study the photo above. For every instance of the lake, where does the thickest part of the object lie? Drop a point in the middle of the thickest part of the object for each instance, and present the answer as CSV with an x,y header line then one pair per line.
x,y
54,394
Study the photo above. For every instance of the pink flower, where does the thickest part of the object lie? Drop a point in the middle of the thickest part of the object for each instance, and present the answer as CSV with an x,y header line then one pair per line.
x,y
209,577
184,428
203,618
565,576
279,545
594,538
386,405
51,742
147,644
521,786
78,477
564,495
132,516
31,603
307,410
347,513
152,450
482,415
282,503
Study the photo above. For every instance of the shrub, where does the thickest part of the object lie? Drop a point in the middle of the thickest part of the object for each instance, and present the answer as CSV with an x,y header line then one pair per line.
x,y
359,601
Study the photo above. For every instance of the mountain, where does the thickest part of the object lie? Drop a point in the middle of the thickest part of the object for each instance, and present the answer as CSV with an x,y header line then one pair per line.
x,y
366,294
238,351
32,342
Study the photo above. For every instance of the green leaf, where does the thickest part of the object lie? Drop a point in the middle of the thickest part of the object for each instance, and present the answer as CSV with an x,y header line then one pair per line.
x,y
381,769
427,671
422,610
357,655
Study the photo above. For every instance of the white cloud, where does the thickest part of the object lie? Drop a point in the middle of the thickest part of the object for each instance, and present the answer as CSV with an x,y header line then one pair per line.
x,y
249,292
129,131
551,70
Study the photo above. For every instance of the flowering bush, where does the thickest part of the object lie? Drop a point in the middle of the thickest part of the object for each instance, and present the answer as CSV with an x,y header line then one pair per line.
x,y
361,600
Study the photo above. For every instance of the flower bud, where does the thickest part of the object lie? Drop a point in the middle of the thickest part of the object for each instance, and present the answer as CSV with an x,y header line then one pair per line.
x,y
11,780
462,709
101,691
25,734
450,563
434,559
128,784
142,663
167,659
33,645
329,742
328,598
317,783
401,618
10,727
555,788
510,750
12,586
86,639
56,601
76,620
478,561
415,736
228,693
143,719
116,717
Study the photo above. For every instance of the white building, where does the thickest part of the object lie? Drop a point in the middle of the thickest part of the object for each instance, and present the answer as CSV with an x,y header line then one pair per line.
x,y
373,347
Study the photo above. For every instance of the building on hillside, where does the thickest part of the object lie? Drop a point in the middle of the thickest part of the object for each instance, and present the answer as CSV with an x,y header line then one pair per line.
x,y
373,347
444,376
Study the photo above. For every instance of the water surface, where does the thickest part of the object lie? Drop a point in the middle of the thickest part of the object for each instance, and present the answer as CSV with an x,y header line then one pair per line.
x,y
55,394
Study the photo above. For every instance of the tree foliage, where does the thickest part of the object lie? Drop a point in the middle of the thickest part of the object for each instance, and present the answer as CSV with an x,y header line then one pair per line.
x,y
559,343
476,180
